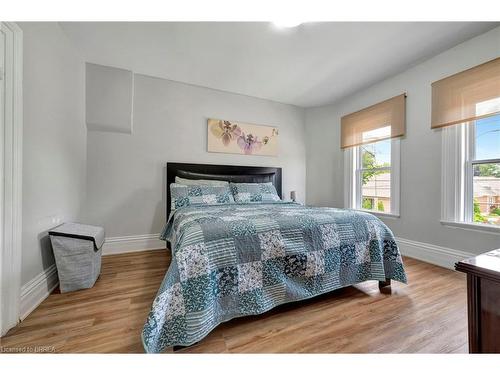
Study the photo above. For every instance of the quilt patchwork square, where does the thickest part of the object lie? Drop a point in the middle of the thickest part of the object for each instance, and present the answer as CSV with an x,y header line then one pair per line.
x,y
198,292
170,303
295,265
198,322
252,301
227,305
329,236
272,271
222,253
314,284
247,248
249,276
346,233
242,228
332,260
192,261
264,224
214,229
349,274
296,290
306,222
271,244
274,293
315,263
373,230
293,240
287,222
375,252
347,254
360,230
226,281
391,251
362,250
172,330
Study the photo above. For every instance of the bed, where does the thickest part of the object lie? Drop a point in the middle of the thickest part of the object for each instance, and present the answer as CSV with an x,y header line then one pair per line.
x,y
237,259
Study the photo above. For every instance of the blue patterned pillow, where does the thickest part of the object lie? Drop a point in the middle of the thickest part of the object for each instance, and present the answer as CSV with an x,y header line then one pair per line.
x,y
250,192
187,195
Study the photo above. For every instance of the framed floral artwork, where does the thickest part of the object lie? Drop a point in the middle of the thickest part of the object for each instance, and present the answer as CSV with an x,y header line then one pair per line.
x,y
235,137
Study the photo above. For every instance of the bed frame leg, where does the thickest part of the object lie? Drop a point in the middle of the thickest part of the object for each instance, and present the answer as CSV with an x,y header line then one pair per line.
x,y
176,348
383,284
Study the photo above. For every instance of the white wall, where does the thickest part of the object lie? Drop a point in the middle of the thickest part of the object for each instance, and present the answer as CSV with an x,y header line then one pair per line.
x,y
54,138
420,149
126,173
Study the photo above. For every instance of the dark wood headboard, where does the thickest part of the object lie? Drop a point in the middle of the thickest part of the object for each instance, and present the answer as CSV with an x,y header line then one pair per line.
x,y
231,173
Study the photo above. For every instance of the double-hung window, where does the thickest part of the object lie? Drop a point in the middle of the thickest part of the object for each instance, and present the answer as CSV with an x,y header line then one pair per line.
x,y
483,168
370,139
467,106
377,177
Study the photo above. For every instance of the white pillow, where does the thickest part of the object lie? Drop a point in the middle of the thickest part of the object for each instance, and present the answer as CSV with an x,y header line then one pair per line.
x,y
186,181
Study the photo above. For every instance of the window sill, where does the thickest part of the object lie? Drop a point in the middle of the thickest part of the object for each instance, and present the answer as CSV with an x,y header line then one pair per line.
x,y
470,226
381,214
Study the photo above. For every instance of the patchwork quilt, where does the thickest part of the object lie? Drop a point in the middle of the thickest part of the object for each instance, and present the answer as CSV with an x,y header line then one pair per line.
x,y
233,260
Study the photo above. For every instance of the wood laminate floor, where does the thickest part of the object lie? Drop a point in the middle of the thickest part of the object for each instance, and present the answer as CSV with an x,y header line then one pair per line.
x,y
428,315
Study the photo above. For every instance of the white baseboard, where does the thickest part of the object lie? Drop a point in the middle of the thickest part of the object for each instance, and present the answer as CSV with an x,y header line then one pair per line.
x,y
129,244
39,288
35,291
438,255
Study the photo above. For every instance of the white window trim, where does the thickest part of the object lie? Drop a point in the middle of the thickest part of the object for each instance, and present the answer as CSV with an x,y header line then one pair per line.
x,y
352,189
477,227
457,161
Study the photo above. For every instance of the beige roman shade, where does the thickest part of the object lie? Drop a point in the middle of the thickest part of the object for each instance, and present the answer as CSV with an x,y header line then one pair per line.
x,y
380,121
466,96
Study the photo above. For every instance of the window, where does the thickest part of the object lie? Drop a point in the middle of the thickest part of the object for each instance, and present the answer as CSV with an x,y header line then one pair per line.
x,y
471,165
374,176
375,171
376,181
483,172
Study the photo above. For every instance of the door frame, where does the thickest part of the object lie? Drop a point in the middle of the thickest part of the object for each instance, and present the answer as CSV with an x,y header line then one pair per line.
x,y
11,133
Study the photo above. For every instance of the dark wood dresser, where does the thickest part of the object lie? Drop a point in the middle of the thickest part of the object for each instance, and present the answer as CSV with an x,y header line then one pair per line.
x,y
483,300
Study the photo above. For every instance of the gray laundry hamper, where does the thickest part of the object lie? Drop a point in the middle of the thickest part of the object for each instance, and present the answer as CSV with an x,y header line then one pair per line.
x,y
77,250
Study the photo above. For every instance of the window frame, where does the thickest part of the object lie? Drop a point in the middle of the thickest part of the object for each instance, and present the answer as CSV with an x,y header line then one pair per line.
x,y
457,166
353,179
470,162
